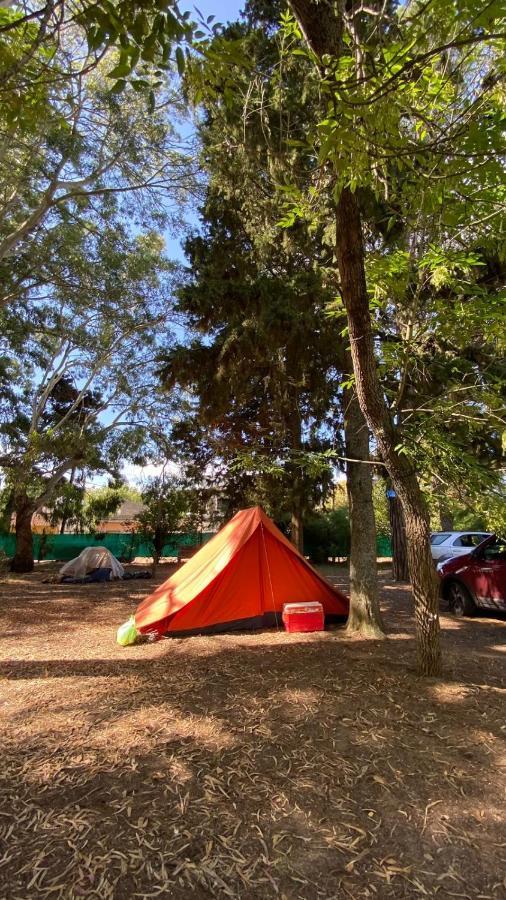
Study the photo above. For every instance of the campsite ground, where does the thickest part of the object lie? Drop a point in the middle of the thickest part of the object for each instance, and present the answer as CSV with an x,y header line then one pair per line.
x,y
248,765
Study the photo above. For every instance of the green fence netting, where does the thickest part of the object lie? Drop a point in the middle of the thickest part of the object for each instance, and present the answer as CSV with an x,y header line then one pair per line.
x,y
383,545
126,546
123,546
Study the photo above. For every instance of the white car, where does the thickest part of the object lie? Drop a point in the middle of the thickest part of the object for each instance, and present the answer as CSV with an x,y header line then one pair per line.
x,y
447,544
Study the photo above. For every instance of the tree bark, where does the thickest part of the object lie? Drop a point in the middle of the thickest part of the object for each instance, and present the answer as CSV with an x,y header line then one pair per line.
x,y
23,557
365,614
297,527
349,247
65,513
445,518
319,24
297,490
400,568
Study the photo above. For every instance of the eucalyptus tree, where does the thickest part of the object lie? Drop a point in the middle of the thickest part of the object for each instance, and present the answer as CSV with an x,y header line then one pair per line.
x,y
79,385
86,149
87,181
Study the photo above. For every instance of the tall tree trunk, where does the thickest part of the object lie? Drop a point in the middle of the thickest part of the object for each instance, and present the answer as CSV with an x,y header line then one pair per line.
x,y
424,580
23,556
321,24
297,526
400,567
445,517
65,513
365,614
297,490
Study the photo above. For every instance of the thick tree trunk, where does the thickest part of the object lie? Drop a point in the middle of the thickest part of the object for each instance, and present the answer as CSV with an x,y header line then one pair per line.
x,y
365,614
321,25
399,547
23,556
372,403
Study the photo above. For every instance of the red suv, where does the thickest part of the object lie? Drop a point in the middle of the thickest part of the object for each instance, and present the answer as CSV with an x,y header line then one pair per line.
x,y
476,580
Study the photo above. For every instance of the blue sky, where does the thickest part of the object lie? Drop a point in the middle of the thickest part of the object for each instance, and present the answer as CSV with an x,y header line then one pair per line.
x,y
224,11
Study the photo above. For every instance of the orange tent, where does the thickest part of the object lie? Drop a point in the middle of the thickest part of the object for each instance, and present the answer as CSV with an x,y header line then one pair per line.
x,y
241,578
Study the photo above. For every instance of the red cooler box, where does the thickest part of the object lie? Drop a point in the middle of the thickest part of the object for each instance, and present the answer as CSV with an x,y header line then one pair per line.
x,y
303,616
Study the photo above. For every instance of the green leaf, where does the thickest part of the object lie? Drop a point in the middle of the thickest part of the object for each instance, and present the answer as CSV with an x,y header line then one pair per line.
x,y
139,85
140,26
124,66
148,50
118,87
180,60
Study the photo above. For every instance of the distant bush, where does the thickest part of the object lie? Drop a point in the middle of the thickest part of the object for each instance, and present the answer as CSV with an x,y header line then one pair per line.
x,y
327,534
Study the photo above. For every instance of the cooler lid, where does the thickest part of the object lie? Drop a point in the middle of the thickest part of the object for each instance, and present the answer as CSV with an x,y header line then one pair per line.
x,y
311,606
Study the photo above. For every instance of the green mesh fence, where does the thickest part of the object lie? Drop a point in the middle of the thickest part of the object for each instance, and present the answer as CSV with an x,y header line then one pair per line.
x,y
383,545
123,546
126,546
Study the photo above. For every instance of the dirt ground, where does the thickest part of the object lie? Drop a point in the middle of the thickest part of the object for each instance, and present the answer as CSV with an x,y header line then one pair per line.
x,y
254,765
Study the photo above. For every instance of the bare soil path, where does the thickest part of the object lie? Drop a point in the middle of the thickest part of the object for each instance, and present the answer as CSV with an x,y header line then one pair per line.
x,y
255,765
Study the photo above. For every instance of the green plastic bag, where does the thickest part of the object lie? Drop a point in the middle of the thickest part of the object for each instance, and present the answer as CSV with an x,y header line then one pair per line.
x,y
127,633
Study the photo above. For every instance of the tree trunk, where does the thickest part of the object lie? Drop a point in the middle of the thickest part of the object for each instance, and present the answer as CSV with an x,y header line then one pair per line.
x,y
297,490
158,544
424,580
297,527
445,518
65,513
365,614
321,24
23,556
400,568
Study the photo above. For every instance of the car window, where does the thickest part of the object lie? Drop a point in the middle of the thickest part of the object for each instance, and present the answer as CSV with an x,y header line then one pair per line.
x,y
469,540
478,538
439,538
495,551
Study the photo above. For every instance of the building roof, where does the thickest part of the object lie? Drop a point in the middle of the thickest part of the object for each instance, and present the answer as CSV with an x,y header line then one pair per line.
x,y
128,510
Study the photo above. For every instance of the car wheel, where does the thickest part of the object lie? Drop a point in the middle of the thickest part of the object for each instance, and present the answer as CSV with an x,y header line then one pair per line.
x,y
459,600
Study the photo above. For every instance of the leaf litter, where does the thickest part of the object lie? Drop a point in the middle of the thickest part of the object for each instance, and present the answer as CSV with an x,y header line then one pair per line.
x,y
246,765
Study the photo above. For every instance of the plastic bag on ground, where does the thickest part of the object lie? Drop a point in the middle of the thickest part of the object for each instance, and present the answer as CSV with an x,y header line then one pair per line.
x,y
127,633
